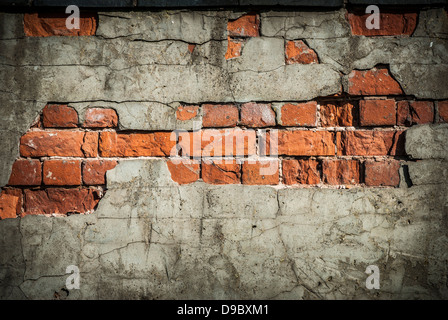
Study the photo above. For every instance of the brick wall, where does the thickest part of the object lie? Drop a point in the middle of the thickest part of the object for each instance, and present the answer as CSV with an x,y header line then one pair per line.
x,y
350,139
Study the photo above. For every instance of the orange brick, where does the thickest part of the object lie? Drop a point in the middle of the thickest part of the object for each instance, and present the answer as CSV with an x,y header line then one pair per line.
x,y
300,172
26,173
94,171
221,172
62,172
59,116
261,173
299,114
382,173
100,118
340,172
377,112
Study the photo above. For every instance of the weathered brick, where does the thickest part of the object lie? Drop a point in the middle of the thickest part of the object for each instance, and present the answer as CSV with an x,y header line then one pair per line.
x,y
299,114
377,112
257,115
261,172
185,113
46,24
26,173
234,47
221,172
414,112
300,172
382,173
184,172
391,24
218,116
247,25
90,144
16,193
338,114
94,171
370,143
156,144
298,52
340,172
62,172
57,143
443,110
59,116
60,201
376,81
305,143
100,118
8,206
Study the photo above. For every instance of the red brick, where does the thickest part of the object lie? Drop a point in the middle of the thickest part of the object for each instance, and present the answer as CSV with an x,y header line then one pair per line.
x,y
217,116
299,114
221,172
57,143
370,143
185,113
100,118
8,206
391,24
59,116
382,173
443,110
414,112
377,112
234,48
90,144
257,115
338,114
156,144
26,173
305,143
62,172
60,201
246,26
16,193
376,81
340,172
261,173
298,52
46,24
94,171
185,171
191,47
300,172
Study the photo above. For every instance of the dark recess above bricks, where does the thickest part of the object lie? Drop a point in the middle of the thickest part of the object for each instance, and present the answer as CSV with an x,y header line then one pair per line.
x,y
208,3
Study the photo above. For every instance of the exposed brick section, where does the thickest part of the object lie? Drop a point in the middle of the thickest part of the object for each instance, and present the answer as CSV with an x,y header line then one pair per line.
x,y
377,112
234,48
261,173
391,24
299,114
219,116
9,205
157,144
59,116
184,172
90,144
246,26
257,115
26,173
94,171
300,172
46,24
221,172
414,112
370,143
382,173
185,113
16,193
298,52
338,114
229,142
62,172
340,172
53,143
443,110
376,81
60,201
306,143
100,118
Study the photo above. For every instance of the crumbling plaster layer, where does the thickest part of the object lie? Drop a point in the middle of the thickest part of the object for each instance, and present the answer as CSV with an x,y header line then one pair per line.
x,y
153,239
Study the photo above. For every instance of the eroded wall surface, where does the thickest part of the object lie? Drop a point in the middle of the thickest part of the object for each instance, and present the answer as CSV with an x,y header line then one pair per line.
x,y
151,232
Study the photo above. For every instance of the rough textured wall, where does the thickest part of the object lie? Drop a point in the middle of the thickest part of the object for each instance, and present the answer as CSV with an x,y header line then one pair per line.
x,y
351,122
